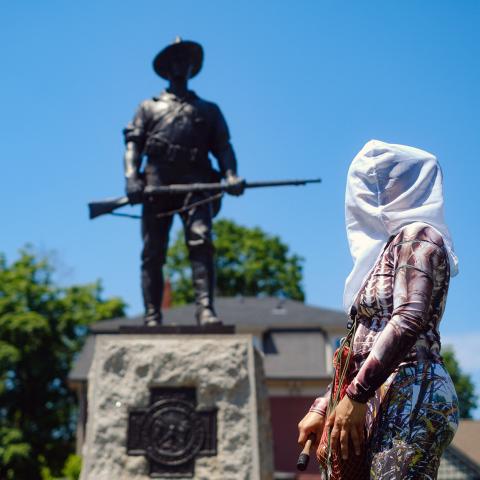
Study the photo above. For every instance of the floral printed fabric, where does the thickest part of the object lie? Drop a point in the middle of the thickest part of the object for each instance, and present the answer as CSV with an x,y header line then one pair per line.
x,y
413,424
397,367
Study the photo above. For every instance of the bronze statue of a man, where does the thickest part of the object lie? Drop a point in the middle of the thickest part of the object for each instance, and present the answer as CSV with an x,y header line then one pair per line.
x,y
175,132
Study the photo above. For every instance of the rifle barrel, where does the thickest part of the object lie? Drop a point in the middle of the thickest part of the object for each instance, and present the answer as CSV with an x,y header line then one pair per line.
x,y
282,183
109,205
217,187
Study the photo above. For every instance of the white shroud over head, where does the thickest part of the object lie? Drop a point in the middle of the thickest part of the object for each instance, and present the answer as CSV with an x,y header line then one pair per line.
x,y
389,186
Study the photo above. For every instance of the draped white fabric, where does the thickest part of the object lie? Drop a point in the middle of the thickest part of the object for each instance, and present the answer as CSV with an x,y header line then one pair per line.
x,y
389,186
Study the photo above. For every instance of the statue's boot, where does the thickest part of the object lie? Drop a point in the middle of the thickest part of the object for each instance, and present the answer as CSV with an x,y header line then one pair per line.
x,y
152,318
152,288
203,275
207,316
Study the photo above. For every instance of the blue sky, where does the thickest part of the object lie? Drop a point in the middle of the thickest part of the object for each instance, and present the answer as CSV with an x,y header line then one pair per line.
x,y
303,86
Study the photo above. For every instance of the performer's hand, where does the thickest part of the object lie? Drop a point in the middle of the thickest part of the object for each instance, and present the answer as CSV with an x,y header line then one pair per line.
x,y
312,422
134,189
347,421
236,185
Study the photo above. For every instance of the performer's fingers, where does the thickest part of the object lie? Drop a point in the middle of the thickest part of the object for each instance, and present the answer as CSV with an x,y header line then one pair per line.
x,y
356,441
344,443
330,420
361,434
335,436
302,437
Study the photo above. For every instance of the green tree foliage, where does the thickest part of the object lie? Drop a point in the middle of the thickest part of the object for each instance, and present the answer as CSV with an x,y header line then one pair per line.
x,y
249,262
463,384
42,326
72,468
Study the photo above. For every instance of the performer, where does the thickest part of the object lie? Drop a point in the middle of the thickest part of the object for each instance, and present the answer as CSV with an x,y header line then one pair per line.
x,y
175,132
401,395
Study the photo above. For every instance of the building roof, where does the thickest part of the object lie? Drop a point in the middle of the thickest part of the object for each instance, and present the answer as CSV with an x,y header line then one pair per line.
x,y
293,335
467,439
247,313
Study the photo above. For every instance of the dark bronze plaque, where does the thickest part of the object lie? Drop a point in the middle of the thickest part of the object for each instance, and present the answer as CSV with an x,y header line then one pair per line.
x,y
171,433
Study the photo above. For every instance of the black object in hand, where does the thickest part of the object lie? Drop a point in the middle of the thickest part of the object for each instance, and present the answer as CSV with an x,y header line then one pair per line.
x,y
304,457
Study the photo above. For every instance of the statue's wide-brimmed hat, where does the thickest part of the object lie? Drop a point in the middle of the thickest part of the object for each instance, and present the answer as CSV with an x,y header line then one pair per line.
x,y
193,50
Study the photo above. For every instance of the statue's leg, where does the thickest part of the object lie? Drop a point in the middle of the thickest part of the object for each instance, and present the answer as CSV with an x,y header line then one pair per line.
x,y
198,237
155,233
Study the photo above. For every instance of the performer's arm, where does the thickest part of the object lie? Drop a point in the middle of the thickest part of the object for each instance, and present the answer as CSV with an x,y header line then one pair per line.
x,y
320,404
314,420
415,264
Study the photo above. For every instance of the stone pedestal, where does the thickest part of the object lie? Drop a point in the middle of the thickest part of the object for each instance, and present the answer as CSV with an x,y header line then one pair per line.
x,y
177,406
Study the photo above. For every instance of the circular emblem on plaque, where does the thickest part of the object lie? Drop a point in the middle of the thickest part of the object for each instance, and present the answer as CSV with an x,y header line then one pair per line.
x,y
172,432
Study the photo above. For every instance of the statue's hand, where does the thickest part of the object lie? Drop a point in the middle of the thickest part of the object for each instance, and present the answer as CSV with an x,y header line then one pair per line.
x,y
235,184
134,189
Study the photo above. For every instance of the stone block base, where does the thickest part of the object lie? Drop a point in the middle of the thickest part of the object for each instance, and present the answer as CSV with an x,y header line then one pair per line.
x,y
217,423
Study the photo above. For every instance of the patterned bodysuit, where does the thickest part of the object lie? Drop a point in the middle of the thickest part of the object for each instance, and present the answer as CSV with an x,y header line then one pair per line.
x,y
412,411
